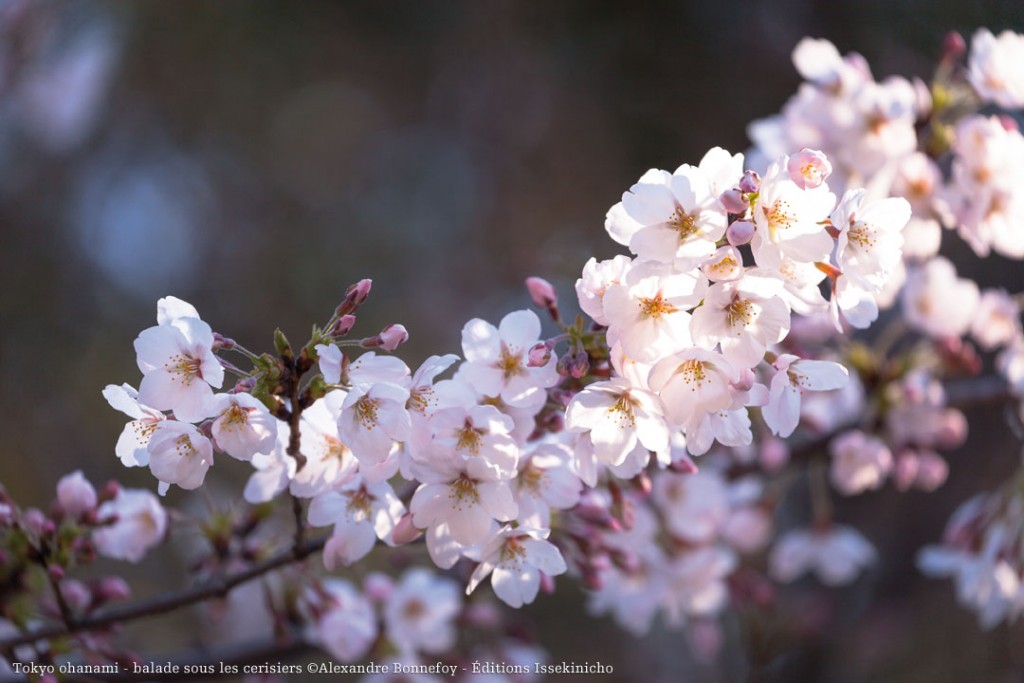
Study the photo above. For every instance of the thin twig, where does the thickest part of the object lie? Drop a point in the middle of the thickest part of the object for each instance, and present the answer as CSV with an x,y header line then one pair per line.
x,y
168,602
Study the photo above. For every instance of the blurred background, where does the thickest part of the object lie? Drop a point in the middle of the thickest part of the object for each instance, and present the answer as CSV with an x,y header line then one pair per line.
x,y
255,158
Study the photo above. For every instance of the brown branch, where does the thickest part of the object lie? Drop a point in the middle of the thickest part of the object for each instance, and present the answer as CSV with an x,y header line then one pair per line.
x,y
168,602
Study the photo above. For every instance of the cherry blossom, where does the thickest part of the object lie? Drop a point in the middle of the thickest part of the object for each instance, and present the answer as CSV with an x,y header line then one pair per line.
x,y
420,612
348,628
793,376
515,559
243,426
836,555
179,454
133,445
361,512
993,67
140,523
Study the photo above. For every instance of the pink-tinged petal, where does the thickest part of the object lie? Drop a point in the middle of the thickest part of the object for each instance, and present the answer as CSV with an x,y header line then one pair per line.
x,y
649,204
430,504
783,410
125,399
197,333
155,345
821,375
480,341
515,588
327,508
544,556
496,498
265,484
520,330
192,402
479,574
171,308
469,524
349,543
444,550
132,445
657,242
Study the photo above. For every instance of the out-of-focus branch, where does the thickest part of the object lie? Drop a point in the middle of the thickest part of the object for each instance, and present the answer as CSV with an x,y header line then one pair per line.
x,y
168,602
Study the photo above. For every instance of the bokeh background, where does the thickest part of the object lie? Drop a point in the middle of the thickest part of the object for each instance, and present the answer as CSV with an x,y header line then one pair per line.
x,y
255,158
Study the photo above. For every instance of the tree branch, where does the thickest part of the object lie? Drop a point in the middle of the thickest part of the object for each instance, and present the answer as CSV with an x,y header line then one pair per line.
x,y
168,602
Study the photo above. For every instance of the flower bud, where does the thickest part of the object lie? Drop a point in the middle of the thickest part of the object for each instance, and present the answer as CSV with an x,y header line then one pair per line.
x,y
392,336
774,454
750,182
1008,123
954,47
112,588
740,233
222,342
75,593
579,365
539,355
75,494
405,531
543,294
343,325
734,201
56,572
547,584
355,296
34,520
809,168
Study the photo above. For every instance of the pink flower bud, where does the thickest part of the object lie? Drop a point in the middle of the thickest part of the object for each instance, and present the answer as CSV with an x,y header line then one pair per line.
x,y
6,514
539,355
222,342
34,520
734,201
547,584
744,380
112,588
392,336
355,296
750,182
56,572
343,325
809,168
110,491
75,494
542,292
544,295
954,47
405,531
579,366
75,593
706,639
952,431
1009,123
904,474
740,233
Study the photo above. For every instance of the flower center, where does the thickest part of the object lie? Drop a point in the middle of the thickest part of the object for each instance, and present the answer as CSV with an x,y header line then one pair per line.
x,y
655,307
469,439
235,416
183,369
184,446
683,223
359,502
622,410
779,217
862,236
420,399
693,372
366,412
532,478
463,490
739,313
510,363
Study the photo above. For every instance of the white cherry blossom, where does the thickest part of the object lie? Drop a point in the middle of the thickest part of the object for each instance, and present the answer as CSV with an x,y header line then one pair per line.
x,y
497,363
179,367
141,523
793,376
179,454
133,445
836,555
515,558
243,426
420,612
361,512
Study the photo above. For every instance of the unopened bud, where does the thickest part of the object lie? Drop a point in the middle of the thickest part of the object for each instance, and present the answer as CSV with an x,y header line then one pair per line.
x,y
539,355
34,520
75,593
543,294
579,365
954,47
774,454
547,584
75,494
405,531
112,588
809,168
740,233
734,201
110,491
393,336
343,325
750,182
56,572
222,342
281,345
355,296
